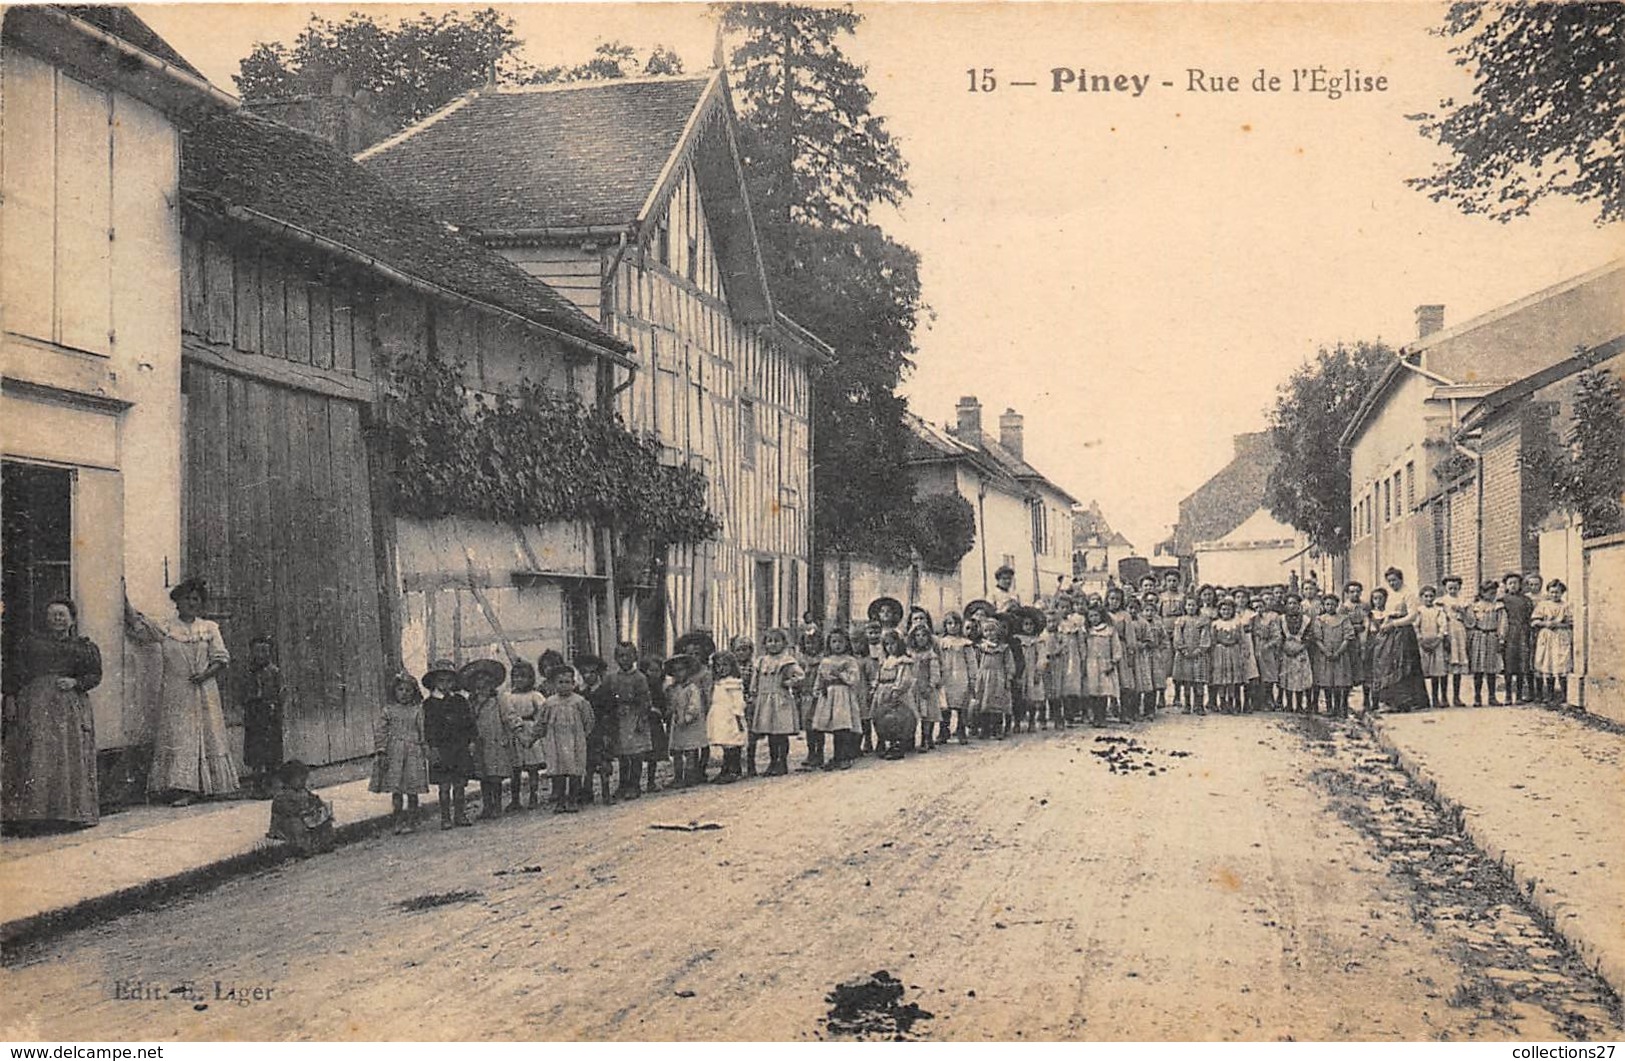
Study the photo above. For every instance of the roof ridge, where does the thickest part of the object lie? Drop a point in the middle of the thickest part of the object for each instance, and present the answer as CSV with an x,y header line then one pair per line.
x,y
1507,309
593,82
416,127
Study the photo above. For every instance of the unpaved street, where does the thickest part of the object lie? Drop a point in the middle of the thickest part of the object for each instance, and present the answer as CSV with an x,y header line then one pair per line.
x,y
1282,880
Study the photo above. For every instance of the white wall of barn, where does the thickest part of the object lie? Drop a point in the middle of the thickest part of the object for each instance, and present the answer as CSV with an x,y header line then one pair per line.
x,y
96,319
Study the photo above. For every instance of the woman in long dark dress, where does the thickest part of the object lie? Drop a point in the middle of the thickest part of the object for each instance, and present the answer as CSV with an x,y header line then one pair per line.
x,y
1396,656
49,758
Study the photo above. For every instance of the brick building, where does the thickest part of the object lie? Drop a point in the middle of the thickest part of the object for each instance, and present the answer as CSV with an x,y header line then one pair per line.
x,y
1416,497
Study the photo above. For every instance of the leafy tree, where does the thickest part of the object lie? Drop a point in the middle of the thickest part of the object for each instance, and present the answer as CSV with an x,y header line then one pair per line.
x,y
412,68
817,162
1547,114
1309,487
1586,472
944,531
418,65
610,60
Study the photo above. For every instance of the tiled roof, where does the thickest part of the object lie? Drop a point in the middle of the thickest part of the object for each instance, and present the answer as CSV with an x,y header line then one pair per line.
x,y
565,156
928,442
121,22
1220,505
239,160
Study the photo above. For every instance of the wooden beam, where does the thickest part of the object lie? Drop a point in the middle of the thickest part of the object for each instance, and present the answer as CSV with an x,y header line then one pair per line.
x,y
282,373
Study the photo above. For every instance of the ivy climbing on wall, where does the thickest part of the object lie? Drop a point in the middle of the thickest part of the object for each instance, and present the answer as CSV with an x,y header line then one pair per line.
x,y
531,456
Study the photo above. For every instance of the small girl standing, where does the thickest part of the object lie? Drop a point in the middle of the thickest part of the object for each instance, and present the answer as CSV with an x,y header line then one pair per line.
x,y
927,686
1455,609
1554,643
836,690
1193,644
777,673
995,670
958,664
448,728
1267,635
401,766
493,736
1102,656
566,722
808,652
725,722
688,698
1138,683
1433,641
1335,643
1160,632
1228,659
523,704
894,691
1297,675
1485,628
1070,631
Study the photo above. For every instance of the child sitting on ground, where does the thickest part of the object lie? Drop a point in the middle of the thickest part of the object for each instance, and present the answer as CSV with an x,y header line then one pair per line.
x,y
298,816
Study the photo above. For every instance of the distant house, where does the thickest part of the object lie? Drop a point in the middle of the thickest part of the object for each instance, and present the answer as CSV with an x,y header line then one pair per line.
x,y
1023,519
304,283
628,197
90,405
1417,499
1225,535
1097,549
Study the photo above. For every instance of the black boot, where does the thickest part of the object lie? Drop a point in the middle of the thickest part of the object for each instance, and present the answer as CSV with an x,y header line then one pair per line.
x,y
815,750
778,751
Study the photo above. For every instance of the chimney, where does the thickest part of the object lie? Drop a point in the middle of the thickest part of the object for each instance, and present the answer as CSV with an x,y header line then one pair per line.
x,y
1429,319
969,426
1010,431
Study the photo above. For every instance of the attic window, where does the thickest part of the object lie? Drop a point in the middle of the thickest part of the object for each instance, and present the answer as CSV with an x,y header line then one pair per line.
x,y
663,243
693,259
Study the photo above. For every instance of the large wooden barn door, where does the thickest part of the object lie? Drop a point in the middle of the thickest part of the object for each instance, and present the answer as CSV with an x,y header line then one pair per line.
x,y
279,520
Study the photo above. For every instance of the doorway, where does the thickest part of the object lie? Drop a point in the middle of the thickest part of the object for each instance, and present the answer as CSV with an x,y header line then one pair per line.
x,y
36,545
764,597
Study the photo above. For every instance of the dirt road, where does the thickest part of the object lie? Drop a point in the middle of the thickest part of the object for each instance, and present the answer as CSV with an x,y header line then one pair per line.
x,y
1224,878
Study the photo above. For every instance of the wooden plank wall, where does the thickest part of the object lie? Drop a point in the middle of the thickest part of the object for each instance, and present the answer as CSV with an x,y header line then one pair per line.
x,y
279,513
280,523
242,298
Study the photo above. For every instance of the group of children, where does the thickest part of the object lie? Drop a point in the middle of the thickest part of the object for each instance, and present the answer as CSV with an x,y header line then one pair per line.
x,y
902,682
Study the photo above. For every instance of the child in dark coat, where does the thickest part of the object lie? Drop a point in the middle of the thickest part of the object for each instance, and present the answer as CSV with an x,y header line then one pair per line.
x,y
262,716
448,727
601,740
629,695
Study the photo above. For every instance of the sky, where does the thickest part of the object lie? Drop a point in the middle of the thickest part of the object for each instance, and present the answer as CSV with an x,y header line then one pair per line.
x,y
1134,274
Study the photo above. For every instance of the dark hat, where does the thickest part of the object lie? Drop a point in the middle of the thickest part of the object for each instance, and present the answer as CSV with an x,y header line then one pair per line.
x,y
1020,614
680,662
440,668
190,585
492,671
880,603
979,604
697,643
